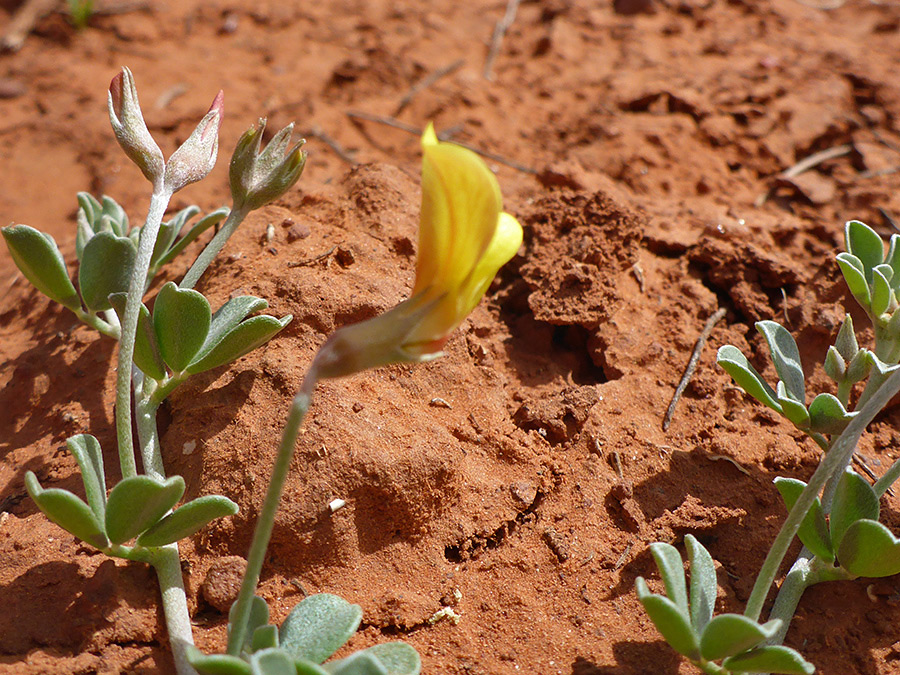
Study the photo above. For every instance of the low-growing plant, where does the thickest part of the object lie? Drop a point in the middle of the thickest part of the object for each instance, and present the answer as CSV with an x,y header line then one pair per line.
x,y
835,515
464,239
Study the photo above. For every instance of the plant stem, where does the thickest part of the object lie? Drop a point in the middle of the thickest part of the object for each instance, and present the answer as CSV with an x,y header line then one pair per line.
x,y
892,474
165,559
235,218
266,521
837,458
98,324
158,203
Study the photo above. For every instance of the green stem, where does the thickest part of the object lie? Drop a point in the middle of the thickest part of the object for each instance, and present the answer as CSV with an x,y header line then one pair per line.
x,y
207,255
98,324
837,458
148,433
158,203
882,484
266,521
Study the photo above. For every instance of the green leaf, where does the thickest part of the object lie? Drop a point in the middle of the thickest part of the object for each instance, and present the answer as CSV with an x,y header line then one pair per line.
x,y
835,367
827,415
770,659
671,569
794,410
227,317
881,293
39,259
187,520
893,260
864,243
181,319
138,502
786,357
244,338
704,585
146,352
732,361
259,616
730,634
398,658
169,231
845,342
318,626
89,456
116,215
360,663
869,549
305,667
67,511
272,661
813,530
212,218
855,277
670,621
106,266
264,637
216,664
859,368
854,499
88,204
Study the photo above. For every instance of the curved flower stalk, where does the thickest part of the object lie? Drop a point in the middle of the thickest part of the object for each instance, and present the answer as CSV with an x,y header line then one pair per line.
x,y
464,239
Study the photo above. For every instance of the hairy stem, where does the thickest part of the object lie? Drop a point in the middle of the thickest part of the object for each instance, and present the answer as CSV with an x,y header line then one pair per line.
x,y
266,521
837,458
235,218
158,203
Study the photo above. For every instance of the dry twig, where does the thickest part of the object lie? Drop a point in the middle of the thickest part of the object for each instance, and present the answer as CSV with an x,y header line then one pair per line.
x,y
403,126
512,6
319,134
692,365
426,82
806,164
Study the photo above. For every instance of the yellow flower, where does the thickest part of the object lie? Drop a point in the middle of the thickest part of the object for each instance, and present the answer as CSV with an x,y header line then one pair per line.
x,y
464,239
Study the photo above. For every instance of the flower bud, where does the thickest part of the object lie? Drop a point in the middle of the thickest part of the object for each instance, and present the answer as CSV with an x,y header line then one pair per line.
x,y
130,129
258,178
197,155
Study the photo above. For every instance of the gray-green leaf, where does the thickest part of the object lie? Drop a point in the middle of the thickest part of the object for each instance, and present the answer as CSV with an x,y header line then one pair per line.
x,y
264,637
187,520
146,351
89,456
67,511
240,340
360,663
673,624
770,659
730,634
854,499
271,662
704,585
881,293
827,415
259,616
216,664
671,569
855,277
813,530
138,502
869,549
181,319
318,626
106,266
39,259
746,376
864,243
786,357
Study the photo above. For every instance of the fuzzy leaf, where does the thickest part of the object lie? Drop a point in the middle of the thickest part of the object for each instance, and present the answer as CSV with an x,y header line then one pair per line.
x,y
138,502
216,664
181,320
835,367
240,340
845,342
271,661
67,511
704,585
854,499
881,293
869,549
259,616
318,626
169,231
89,456
360,663
398,658
210,219
786,357
187,520
671,569
730,634
305,667
864,243
106,265
855,277
226,318
146,352
673,624
813,530
859,368
827,415
264,637
893,259
770,659
794,410
732,361
39,259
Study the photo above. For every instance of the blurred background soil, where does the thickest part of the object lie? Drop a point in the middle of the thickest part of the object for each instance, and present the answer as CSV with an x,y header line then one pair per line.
x,y
649,147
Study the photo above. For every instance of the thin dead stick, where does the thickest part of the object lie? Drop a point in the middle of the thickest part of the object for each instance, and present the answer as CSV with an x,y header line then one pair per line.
x,y
426,82
808,163
319,134
692,364
403,126
310,261
512,6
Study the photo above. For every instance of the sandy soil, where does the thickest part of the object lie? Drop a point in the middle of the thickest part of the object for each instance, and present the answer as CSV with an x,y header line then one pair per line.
x,y
520,478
